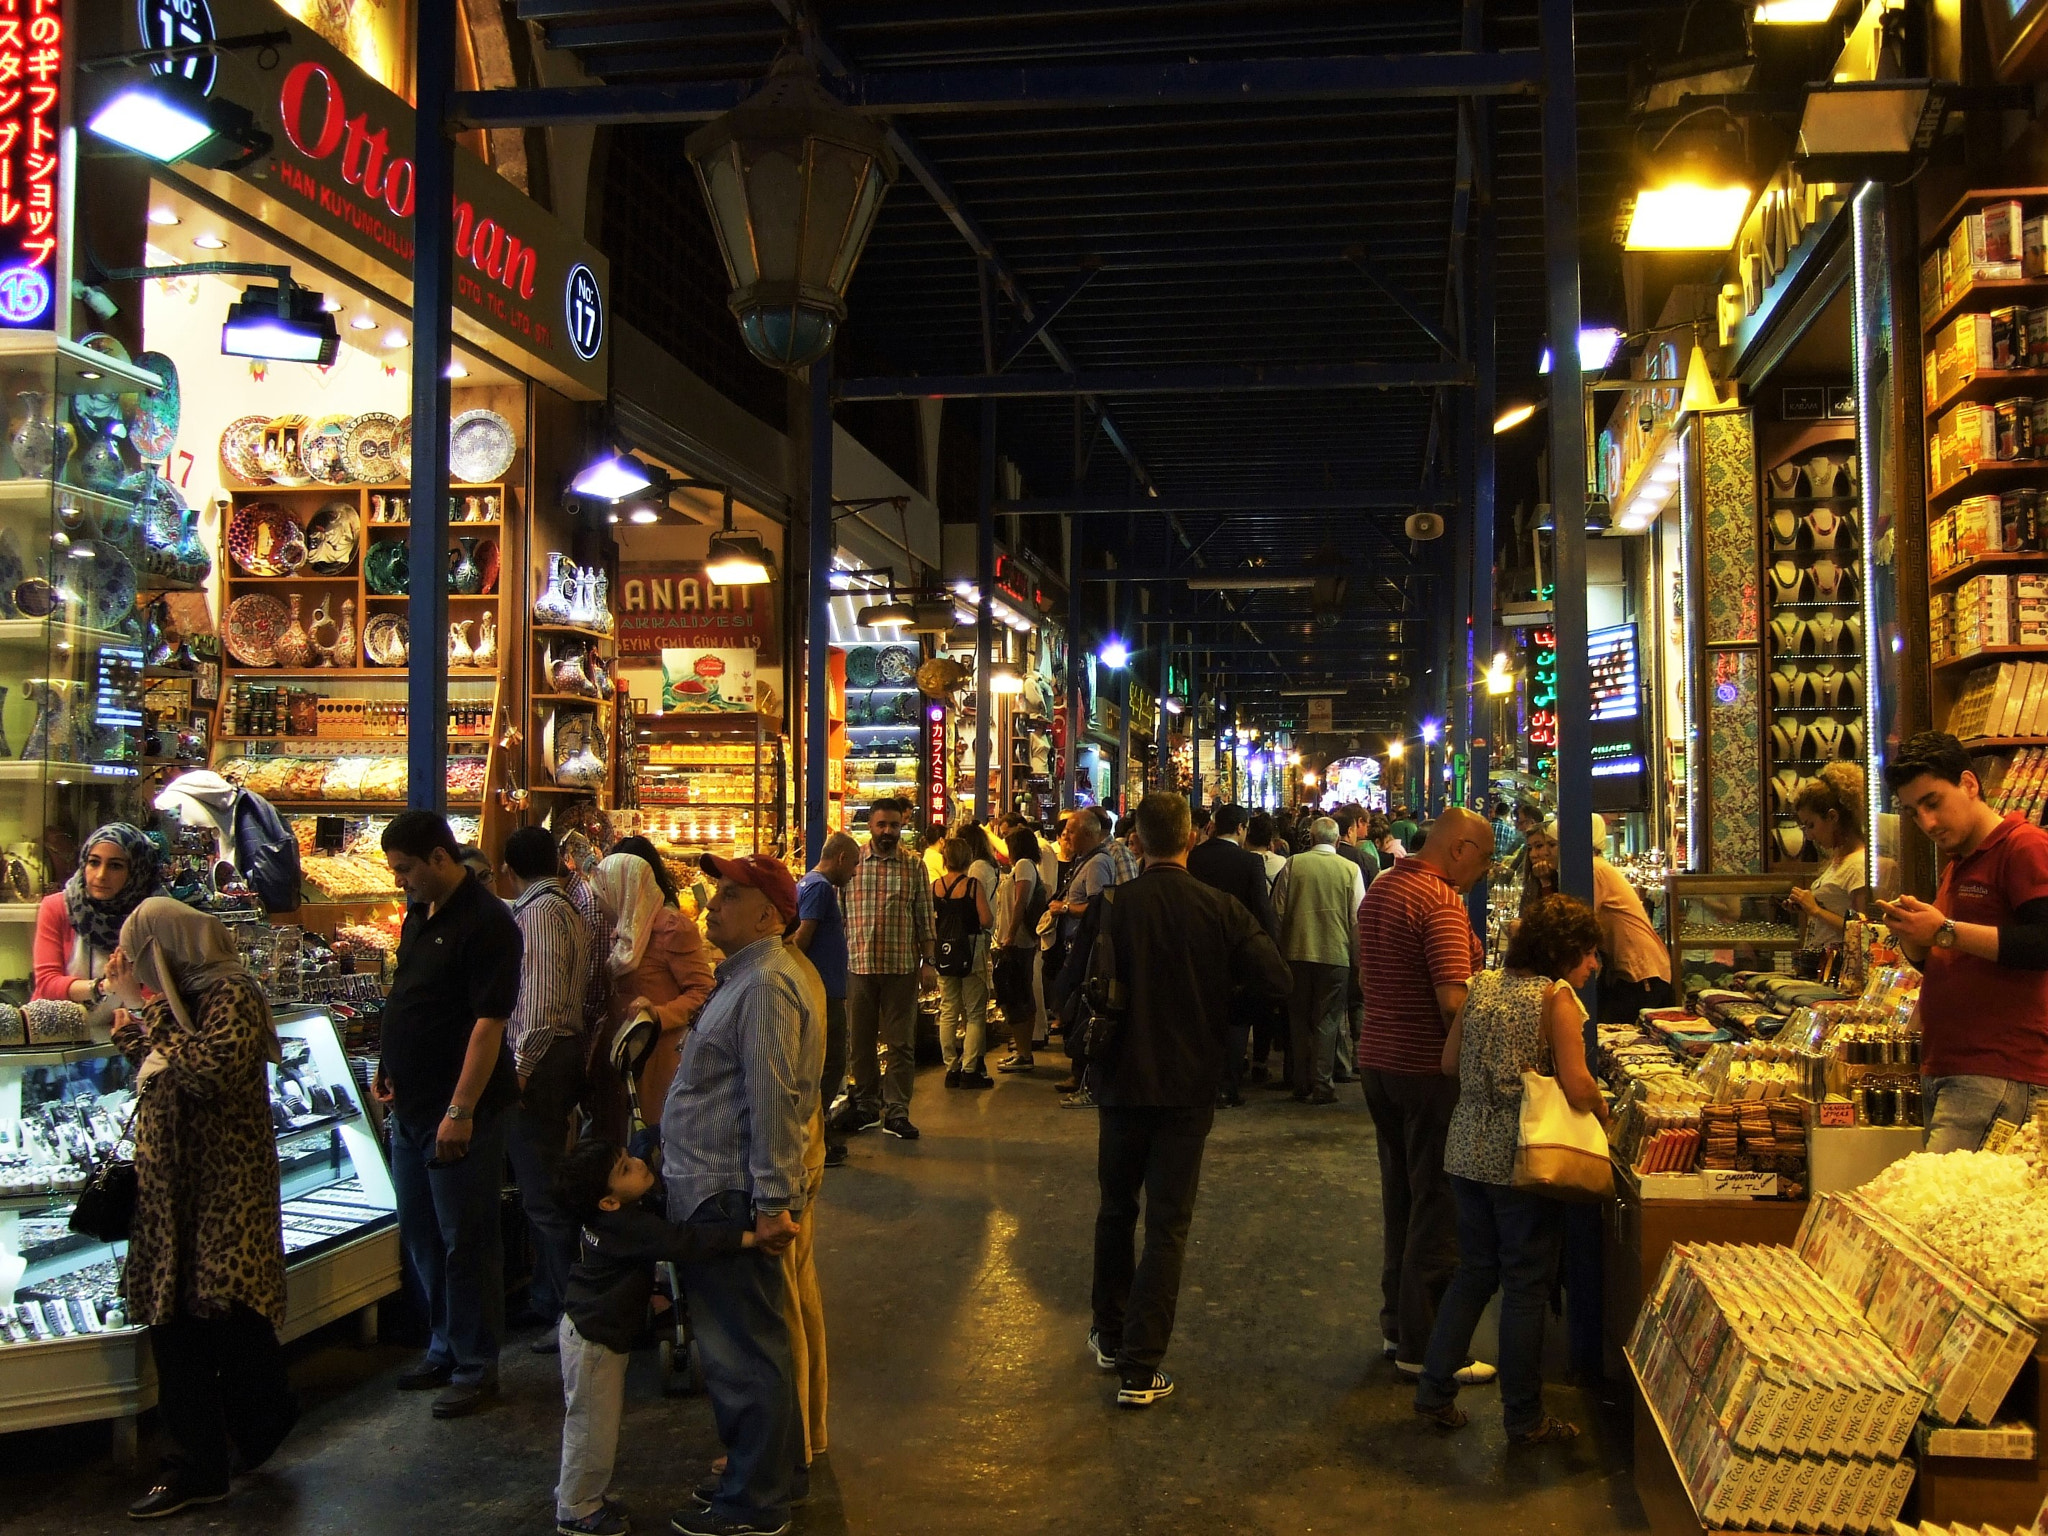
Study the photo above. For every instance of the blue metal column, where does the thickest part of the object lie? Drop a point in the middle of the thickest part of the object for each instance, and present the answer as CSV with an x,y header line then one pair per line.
x,y
1567,451
433,286
1070,777
1195,726
1161,758
985,615
1479,346
818,625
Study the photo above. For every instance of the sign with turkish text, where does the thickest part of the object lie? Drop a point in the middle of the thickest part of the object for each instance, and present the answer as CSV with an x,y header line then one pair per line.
x,y
341,177
706,682
671,605
33,57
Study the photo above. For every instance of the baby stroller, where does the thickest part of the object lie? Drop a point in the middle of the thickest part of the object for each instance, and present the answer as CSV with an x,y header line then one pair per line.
x,y
681,1372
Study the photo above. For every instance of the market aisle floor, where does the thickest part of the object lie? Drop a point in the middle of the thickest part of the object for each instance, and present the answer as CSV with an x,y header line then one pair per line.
x,y
955,1272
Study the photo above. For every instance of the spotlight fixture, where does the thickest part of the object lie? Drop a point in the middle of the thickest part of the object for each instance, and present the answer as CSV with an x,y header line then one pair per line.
x,y
1692,190
395,338
613,478
889,615
164,218
1114,654
1003,677
735,559
284,324
1512,418
209,242
1599,514
1430,732
1397,749
937,618
363,323
166,119
643,516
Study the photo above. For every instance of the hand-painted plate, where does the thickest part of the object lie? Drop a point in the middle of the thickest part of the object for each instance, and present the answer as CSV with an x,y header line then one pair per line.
x,y
241,449
96,409
253,624
323,451
332,535
385,641
387,568
264,541
480,447
401,450
279,454
160,508
367,450
152,417
897,664
106,585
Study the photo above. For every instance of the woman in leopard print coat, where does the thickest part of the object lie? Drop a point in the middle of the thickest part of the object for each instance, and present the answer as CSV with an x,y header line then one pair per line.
x,y
205,1266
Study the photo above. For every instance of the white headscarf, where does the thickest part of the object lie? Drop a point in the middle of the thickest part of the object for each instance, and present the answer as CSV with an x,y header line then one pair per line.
x,y
184,954
627,890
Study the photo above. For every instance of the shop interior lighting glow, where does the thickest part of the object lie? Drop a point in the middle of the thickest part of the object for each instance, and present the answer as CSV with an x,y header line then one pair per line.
x,y
1397,749
164,218
736,560
1430,731
1004,677
643,516
1597,346
395,338
1512,418
1687,216
1795,13
613,478
363,323
1114,655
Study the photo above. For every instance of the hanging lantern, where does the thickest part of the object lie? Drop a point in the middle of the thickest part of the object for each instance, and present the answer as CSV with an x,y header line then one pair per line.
x,y
793,181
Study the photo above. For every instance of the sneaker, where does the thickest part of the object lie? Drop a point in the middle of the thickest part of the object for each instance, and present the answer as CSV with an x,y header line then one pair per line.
x,y
835,1154
605,1520
459,1399
168,1498
900,1127
1016,1064
425,1375
700,1521
1144,1391
851,1119
953,1077
1473,1373
1389,1350
976,1080
1105,1359
1321,1096
1080,1098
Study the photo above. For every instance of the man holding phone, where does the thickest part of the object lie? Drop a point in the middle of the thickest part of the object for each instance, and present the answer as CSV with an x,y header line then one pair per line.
x,y
1982,948
448,1077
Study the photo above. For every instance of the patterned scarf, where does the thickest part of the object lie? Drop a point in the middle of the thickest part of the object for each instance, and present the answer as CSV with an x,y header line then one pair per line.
x,y
98,923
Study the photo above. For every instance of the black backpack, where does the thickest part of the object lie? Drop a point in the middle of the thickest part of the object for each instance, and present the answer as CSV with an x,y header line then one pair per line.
x,y
956,920
265,852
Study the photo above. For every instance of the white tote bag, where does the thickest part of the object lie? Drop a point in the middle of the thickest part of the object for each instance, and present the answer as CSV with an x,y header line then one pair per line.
x,y
1560,1151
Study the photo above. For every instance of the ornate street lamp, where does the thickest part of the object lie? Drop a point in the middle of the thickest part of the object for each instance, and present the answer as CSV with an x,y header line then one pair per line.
x,y
793,180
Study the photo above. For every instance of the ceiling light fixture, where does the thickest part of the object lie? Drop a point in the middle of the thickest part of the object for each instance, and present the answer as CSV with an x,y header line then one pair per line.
x,y
166,118
283,324
1512,418
612,478
735,559
889,615
209,242
363,323
395,338
164,218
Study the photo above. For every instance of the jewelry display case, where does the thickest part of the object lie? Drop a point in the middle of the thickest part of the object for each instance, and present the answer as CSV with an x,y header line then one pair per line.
x,y
68,1352
1743,917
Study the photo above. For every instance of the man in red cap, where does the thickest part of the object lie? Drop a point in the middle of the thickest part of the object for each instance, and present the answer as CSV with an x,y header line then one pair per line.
x,y
732,1137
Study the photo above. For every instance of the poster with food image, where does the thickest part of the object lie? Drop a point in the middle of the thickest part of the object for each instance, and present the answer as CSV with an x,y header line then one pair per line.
x,y
704,682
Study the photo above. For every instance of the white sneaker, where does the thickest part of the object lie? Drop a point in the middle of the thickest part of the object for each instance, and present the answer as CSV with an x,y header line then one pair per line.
x,y
1103,1360
1473,1373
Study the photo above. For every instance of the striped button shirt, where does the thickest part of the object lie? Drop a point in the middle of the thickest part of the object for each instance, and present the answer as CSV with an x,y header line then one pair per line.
x,y
888,914
1414,936
553,974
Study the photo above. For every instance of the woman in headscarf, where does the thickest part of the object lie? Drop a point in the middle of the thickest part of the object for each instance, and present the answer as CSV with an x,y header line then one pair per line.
x,y
78,928
657,961
205,1267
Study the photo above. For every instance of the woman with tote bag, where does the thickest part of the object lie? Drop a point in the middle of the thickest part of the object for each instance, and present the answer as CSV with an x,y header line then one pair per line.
x,y
1525,1016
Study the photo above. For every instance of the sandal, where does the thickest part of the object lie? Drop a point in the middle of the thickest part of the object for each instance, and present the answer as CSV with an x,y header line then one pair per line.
x,y
1450,1416
1549,1432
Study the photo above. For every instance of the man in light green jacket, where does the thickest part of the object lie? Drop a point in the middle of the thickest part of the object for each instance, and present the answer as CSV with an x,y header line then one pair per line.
x,y
1316,897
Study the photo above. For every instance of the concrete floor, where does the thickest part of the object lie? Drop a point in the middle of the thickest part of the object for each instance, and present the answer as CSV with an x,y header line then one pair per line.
x,y
955,1273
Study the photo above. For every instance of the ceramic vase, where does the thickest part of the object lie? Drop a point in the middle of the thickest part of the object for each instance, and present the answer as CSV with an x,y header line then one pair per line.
x,y
101,467
32,437
601,602
552,606
294,645
343,652
485,653
459,653
322,623
44,697
465,576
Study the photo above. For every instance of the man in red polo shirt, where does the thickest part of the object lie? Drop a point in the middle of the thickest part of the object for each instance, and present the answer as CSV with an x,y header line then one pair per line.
x,y
1982,948
1416,952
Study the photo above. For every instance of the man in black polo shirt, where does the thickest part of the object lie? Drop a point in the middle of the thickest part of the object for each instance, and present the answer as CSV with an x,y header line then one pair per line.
x,y
448,1076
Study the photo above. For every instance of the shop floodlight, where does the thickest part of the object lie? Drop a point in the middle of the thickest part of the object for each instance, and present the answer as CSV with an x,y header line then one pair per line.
x,y
1004,677
165,118
281,324
1796,13
1692,188
613,478
1512,418
1860,130
735,559
889,615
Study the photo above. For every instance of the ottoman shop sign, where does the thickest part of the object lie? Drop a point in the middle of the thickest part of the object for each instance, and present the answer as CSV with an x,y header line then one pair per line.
x,y
669,605
344,162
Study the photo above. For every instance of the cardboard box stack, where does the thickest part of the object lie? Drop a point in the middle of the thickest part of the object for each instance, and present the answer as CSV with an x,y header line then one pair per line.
x,y
1782,1406
2008,699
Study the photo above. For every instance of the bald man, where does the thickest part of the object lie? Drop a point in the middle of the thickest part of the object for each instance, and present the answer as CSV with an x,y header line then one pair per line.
x,y
820,933
1416,953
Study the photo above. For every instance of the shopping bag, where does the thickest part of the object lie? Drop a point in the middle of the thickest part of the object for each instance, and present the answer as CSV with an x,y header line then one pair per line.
x,y
1559,1151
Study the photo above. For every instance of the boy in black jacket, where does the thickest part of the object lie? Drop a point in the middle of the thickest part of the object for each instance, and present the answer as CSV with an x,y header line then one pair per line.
x,y
618,1198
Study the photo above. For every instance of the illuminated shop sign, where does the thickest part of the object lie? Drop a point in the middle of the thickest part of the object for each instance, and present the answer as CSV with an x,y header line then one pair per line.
x,y
32,60
936,805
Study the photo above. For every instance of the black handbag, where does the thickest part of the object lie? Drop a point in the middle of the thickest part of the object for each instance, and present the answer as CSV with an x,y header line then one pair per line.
x,y
106,1206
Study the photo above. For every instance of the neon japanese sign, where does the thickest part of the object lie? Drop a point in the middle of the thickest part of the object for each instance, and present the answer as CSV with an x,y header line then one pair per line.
x,y
32,59
935,807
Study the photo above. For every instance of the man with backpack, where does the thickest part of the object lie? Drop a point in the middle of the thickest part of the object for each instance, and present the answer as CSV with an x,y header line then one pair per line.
x,y
1225,864
1095,871
1166,955
961,921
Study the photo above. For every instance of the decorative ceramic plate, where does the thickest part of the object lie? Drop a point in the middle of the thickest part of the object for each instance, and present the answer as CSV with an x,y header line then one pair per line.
x,y
401,450
160,509
387,568
367,450
253,624
241,449
95,410
480,447
385,641
487,562
332,534
323,451
860,667
106,585
897,664
264,541
279,454
152,416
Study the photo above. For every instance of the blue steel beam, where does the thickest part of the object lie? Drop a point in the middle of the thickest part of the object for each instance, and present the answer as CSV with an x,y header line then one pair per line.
x,y
1251,505
1222,379
1013,347
433,292
818,628
1363,260
1071,88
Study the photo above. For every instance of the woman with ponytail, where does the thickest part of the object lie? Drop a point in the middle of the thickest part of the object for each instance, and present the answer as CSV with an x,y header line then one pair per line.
x,y
1830,809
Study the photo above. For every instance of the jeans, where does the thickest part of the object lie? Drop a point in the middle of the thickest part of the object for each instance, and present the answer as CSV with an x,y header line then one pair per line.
x,y
448,1224
1411,1112
883,1009
1316,1019
834,1077
1014,965
1621,999
537,1132
1158,1151
743,1343
963,1013
593,1398
1959,1110
221,1379
1508,1240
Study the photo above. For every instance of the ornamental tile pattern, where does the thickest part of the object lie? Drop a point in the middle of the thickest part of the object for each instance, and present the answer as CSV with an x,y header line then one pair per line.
x,y
1729,527
1735,774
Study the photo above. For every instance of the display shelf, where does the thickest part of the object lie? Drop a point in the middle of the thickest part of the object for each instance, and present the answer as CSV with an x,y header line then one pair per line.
x,y
327,488
573,698
2001,743
1985,477
34,496
1990,653
453,597
79,369
1813,501
1986,384
365,807
495,522
145,582
298,741
1989,293
39,632
355,674
2015,560
572,629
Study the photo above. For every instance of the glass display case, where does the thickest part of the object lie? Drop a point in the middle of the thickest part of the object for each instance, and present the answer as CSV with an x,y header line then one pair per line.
x,y
707,784
1726,923
67,1349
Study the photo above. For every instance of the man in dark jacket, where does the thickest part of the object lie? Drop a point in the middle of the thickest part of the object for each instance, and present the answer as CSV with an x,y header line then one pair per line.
x,y
1225,864
1183,951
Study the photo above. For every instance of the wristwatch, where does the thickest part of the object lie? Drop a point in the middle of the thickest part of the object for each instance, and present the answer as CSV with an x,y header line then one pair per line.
x,y
457,1112
1945,935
